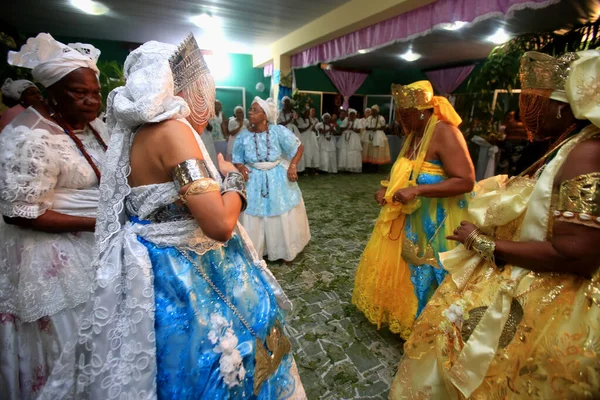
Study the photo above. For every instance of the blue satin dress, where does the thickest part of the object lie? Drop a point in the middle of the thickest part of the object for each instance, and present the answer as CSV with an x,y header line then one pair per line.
x,y
195,328
435,219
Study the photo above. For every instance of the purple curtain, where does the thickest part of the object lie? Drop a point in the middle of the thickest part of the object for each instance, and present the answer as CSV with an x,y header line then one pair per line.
x,y
445,81
410,25
268,70
346,82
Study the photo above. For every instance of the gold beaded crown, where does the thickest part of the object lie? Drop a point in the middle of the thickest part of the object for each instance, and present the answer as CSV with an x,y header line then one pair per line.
x,y
416,95
542,71
187,63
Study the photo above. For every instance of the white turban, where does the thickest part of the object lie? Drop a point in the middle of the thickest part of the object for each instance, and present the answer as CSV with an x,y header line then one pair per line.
x,y
51,60
239,108
367,109
375,107
583,86
268,107
14,89
325,115
285,98
351,111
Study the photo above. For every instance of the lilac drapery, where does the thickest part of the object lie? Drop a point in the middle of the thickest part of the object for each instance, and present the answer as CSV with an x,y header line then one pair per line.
x,y
268,70
346,82
410,25
445,81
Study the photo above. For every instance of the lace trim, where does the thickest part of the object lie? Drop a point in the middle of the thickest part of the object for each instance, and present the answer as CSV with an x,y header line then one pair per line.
x,y
13,210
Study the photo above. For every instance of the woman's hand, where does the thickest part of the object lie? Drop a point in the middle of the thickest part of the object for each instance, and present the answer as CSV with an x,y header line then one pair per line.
x,y
461,233
225,166
292,174
245,171
405,195
379,196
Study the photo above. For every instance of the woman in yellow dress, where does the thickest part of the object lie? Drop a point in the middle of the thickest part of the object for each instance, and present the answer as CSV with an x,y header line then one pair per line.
x,y
520,316
422,202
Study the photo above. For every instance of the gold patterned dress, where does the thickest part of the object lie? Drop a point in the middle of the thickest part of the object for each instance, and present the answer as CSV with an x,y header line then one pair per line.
x,y
514,334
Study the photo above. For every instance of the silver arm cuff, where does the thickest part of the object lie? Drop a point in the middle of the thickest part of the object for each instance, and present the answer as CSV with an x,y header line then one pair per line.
x,y
234,182
189,171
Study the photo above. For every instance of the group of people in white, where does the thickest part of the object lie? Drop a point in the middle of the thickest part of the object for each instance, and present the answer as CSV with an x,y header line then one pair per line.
x,y
330,145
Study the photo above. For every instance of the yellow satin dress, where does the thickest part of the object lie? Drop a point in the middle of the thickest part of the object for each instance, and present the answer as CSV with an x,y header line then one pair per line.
x,y
398,272
511,334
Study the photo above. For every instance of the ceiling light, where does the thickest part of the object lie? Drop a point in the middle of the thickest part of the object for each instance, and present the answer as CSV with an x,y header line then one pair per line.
x,y
453,26
499,37
363,51
90,7
410,56
206,22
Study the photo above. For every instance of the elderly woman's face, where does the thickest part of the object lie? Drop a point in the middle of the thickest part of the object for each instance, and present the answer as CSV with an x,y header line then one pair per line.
x,y
256,114
78,97
239,114
31,96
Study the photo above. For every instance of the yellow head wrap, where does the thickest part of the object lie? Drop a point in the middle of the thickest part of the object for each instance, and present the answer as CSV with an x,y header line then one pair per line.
x,y
583,86
419,95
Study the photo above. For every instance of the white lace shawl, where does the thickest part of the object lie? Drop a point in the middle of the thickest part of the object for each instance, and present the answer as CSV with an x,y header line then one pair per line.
x,y
114,355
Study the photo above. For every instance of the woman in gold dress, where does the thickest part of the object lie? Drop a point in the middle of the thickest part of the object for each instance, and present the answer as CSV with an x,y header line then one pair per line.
x,y
422,201
520,316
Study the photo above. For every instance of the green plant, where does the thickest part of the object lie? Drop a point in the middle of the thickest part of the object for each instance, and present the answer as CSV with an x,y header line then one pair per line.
x,y
301,102
111,76
501,70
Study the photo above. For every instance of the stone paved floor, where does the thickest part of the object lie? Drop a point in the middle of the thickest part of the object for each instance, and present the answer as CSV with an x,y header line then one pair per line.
x,y
340,355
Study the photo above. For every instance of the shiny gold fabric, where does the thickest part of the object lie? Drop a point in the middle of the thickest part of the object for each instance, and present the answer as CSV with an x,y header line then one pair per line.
x,y
533,335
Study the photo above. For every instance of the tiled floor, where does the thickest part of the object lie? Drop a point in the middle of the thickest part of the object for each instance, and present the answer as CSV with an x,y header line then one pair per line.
x,y
340,355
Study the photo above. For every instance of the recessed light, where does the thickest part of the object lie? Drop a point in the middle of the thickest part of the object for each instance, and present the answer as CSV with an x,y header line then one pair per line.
x,y
363,51
410,56
499,37
206,21
90,7
453,26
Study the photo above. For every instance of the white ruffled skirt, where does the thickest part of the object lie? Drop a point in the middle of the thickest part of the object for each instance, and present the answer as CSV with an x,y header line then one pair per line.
x,y
350,152
328,155
280,237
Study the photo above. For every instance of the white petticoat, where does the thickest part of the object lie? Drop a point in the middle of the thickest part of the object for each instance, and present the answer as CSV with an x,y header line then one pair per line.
x,y
281,237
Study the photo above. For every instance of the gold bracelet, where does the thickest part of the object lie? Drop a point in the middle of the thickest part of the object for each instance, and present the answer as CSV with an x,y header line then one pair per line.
x,y
485,247
200,186
469,240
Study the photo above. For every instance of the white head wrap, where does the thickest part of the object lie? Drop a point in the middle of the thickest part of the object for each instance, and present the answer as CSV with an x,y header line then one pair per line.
x,y
367,109
286,98
375,107
51,60
325,115
14,89
351,111
583,86
239,108
268,107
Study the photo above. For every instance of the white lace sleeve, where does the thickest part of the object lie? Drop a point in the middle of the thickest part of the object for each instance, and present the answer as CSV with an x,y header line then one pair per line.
x,y
28,172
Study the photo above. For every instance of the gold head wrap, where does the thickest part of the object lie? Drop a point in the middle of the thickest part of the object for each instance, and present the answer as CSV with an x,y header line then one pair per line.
x,y
419,95
541,73
583,86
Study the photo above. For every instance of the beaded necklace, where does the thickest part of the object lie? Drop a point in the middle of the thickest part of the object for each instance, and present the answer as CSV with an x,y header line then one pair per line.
x,y
80,146
347,136
376,126
266,159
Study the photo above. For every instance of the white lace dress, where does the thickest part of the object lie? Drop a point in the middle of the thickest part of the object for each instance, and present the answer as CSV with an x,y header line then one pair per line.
x,y
232,125
311,157
349,156
328,147
45,278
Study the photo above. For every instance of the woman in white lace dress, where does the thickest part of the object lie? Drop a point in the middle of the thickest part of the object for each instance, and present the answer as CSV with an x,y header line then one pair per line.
x,y
308,137
184,308
349,145
49,171
327,144
237,123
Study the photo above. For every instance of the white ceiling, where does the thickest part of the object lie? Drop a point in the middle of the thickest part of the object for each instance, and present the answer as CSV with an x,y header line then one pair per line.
x,y
246,24
441,48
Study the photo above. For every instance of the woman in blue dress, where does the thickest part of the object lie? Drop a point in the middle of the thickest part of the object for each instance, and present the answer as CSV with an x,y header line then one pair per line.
x,y
267,157
184,308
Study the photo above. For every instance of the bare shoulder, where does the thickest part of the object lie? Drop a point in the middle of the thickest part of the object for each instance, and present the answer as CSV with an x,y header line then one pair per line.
x,y
583,159
164,130
448,134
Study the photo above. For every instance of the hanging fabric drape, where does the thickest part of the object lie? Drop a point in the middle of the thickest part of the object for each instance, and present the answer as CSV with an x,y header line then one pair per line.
x,y
446,81
410,25
346,82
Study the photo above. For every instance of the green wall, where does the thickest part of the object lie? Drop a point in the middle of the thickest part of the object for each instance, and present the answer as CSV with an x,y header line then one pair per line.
x,y
245,75
379,81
